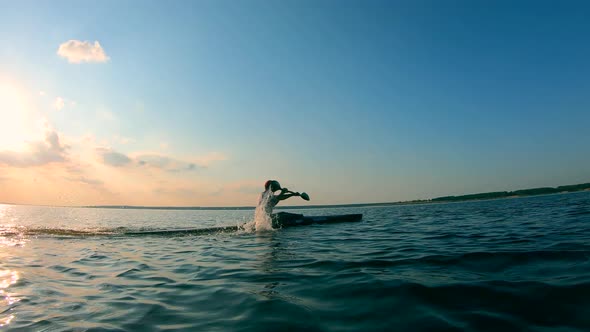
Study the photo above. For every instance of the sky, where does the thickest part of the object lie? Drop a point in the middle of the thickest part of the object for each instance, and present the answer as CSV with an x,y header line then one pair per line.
x,y
198,103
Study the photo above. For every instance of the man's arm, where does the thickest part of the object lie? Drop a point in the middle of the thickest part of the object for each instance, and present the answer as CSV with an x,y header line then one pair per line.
x,y
285,193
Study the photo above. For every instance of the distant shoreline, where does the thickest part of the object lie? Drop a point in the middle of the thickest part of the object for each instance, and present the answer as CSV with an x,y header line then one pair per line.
x,y
444,199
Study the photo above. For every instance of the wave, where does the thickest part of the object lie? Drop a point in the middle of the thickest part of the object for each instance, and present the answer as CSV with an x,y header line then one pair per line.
x,y
477,261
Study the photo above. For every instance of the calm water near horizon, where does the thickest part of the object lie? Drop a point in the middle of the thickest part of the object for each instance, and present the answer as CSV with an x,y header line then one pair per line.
x,y
500,265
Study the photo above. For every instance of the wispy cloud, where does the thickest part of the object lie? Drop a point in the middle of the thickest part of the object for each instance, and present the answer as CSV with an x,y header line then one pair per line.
x,y
166,163
162,162
76,170
59,103
76,51
39,153
85,180
113,158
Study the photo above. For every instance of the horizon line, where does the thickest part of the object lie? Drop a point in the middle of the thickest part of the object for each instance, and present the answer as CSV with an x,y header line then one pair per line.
x,y
438,200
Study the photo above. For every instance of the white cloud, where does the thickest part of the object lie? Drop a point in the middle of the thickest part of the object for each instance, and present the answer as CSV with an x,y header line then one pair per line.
x,y
77,51
51,150
59,103
42,93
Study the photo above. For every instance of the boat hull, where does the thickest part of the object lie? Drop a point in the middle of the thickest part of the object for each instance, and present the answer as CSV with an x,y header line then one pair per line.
x,y
281,220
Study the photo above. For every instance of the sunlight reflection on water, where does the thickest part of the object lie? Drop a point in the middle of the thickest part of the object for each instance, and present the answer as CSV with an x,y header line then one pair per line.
x,y
11,236
6,321
7,278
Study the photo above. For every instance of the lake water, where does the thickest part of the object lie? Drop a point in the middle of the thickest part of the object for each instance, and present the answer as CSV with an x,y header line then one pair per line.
x,y
513,264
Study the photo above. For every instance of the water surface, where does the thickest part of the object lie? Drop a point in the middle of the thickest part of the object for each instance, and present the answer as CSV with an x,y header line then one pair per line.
x,y
512,264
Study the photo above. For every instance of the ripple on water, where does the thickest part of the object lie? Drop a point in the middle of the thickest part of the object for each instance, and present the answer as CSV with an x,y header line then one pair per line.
x,y
7,299
519,264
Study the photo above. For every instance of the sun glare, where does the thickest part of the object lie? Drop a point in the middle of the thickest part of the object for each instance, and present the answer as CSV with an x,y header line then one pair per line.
x,y
17,121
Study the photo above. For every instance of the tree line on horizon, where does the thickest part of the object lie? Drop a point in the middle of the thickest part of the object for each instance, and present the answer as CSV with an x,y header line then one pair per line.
x,y
517,193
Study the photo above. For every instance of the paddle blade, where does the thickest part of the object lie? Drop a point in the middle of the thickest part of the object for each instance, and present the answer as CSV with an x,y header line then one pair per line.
x,y
305,196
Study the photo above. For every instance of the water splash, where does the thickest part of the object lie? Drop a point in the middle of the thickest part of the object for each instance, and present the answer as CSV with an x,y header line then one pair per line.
x,y
262,220
263,211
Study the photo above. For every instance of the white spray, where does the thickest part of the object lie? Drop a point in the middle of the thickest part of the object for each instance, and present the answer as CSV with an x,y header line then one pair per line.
x,y
262,219
262,213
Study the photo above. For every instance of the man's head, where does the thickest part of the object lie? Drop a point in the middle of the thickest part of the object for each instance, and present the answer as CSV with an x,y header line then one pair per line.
x,y
273,185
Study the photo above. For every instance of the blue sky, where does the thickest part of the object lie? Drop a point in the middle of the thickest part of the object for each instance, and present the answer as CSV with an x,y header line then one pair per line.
x,y
351,101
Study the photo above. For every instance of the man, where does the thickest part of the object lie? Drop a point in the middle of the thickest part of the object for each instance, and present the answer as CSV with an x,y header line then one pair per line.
x,y
270,200
270,187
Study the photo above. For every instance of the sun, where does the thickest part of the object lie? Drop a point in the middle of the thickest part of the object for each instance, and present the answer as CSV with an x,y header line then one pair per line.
x,y
17,118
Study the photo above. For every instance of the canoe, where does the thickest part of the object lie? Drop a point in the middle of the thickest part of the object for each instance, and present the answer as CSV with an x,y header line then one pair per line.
x,y
280,220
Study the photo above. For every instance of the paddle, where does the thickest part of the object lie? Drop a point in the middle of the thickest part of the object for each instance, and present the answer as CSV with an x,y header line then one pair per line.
x,y
303,195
